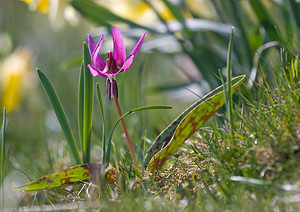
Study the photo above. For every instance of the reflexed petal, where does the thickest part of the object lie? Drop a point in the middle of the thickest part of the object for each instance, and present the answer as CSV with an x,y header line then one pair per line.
x,y
91,44
96,72
126,64
119,53
96,59
138,46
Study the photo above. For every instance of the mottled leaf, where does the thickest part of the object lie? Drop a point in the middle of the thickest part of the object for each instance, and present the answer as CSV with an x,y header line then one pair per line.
x,y
70,175
167,143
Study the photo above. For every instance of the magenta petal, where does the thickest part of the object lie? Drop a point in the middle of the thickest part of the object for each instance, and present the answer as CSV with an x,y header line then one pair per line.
x,y
127,64
96,72
91,44
119,53
138,46
96,59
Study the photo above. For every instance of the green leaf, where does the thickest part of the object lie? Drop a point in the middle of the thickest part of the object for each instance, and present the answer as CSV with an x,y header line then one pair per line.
x,y
101,15
73,174
88,95
69,175
151,107
81,104
60,114
167,142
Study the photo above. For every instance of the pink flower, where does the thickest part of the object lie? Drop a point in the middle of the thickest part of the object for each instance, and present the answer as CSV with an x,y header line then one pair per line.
x,y
116,61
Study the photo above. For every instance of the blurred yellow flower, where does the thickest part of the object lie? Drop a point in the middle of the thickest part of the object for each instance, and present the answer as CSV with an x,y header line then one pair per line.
x,y
13,71
38,5
58,10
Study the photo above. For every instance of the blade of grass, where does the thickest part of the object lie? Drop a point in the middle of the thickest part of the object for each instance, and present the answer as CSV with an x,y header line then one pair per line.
x,y
3,131
60,114
152,107
228,96
103,126
88,104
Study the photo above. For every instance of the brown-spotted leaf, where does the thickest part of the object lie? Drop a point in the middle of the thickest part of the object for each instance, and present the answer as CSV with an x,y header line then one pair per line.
x,y
69,175
189,121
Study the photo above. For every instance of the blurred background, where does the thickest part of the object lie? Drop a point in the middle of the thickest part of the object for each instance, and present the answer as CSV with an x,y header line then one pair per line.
x,y
183,52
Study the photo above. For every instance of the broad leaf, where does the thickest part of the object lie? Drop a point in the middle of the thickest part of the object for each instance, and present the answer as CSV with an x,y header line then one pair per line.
x,y
69,175
167,143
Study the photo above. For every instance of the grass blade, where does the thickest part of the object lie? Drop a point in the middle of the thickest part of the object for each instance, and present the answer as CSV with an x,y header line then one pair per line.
x,y
151,107
228,92
3,131
60,114
103,126
88,100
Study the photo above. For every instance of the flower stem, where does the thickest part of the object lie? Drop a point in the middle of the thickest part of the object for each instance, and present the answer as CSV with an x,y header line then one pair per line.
x,y
125,131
